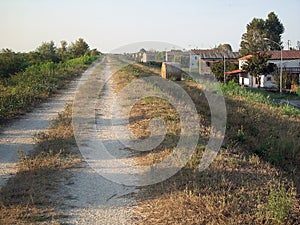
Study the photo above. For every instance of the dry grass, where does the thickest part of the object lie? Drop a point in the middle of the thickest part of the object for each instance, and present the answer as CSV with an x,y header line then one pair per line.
x,y
234,190
140,116
27,197
242,186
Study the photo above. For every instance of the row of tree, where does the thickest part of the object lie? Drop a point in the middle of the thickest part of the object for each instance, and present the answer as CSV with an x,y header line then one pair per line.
x,y
12,62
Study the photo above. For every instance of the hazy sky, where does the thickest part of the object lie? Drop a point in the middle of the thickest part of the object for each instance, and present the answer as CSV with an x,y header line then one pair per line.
x,y
108,24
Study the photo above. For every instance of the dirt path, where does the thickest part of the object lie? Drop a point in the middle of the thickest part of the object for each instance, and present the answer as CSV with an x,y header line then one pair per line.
x,y
88,198
19,135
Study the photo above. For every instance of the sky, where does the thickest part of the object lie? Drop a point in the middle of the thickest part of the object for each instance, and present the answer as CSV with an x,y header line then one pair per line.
x,y
109,24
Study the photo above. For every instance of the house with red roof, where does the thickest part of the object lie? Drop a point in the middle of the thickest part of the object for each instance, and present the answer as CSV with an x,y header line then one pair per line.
x,y
290,67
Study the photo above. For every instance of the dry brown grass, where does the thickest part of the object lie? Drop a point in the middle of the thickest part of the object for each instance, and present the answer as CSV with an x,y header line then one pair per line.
x,y
232,191
27,197
240,187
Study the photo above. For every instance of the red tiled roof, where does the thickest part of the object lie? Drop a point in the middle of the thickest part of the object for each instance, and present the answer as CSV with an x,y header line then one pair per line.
x,y
286,54
246,57
235,72
275,55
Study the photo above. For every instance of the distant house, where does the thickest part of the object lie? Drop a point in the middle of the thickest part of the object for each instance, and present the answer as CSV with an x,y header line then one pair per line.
x,y
148,57
290,66
206,58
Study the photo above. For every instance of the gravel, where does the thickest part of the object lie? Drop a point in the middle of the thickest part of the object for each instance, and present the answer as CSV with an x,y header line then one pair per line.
x,y
89,198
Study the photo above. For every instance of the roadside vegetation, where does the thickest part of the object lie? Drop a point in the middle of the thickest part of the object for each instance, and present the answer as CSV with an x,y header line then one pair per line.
x,y
262,96
27,198
253,180
27,79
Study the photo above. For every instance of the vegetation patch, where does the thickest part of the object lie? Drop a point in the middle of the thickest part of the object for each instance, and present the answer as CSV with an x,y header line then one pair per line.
x,y
27,79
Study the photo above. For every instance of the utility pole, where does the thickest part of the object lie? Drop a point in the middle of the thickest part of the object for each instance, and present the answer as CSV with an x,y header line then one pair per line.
x,y
224,69
190,69
200,63
166,54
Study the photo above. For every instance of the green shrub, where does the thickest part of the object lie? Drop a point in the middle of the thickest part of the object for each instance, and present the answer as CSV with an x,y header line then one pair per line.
x,y
277,206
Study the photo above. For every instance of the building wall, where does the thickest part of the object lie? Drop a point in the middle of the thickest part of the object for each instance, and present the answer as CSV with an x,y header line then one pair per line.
x,y
241,63
148,57
287,63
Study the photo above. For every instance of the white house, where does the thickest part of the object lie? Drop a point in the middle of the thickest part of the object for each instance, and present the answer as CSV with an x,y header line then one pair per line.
x,y
246,79
291,66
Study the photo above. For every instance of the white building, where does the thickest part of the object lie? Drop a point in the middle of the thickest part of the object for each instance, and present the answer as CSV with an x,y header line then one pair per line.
x,y
290,65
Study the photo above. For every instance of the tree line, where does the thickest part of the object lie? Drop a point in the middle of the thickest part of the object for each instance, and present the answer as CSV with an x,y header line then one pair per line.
x,y
13,62
27,79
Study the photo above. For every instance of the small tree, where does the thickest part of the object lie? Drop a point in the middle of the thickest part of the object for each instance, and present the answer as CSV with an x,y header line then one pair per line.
x,y
218,68
142,50
62,52
47,51
160,56
11,63
225,47
79,48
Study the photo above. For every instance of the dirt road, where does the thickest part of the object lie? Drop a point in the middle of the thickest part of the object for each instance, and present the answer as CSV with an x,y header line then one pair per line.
x,y
86,197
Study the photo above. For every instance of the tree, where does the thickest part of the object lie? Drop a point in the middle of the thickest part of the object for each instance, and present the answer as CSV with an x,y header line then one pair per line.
x,y
253,40
258,65
94,52
274,30
225,47
62,52
79,48
142,50
258,29
47,52
160,56
11,62
218,68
